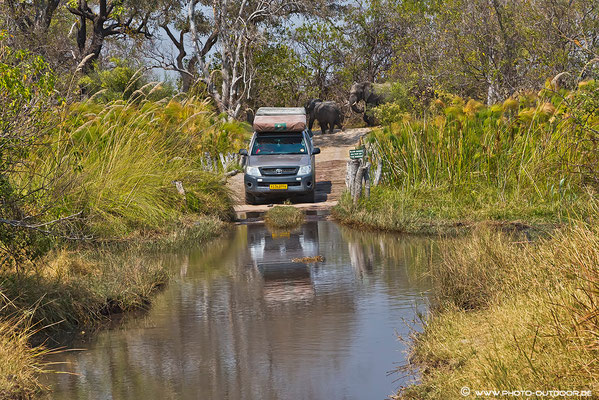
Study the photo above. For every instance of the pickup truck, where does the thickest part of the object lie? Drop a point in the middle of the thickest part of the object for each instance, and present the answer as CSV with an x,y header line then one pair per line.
x,y
280,161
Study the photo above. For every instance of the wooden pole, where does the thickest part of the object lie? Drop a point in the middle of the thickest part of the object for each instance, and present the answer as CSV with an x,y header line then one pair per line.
x,y
367,180
358,183
352,169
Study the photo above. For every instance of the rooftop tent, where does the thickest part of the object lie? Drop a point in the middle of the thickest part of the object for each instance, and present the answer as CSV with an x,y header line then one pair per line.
x,y
280,119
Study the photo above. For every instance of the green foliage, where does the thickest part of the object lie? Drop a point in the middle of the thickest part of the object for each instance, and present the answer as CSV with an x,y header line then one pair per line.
x,y
26,89
391,112
281,77
321,46
229,136
122,82
26,95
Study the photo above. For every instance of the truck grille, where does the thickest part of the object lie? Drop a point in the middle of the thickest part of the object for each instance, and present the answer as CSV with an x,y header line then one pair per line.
x,y
280,171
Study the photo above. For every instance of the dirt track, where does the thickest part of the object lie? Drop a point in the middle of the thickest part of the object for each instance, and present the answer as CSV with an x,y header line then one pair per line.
x,y
330,172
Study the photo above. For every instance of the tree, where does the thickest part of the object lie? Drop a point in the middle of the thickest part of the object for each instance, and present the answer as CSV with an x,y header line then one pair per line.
x,y
282,80
321,47
371,27
174,21
490,49
223,37
32,15
26,97
124,18
237,29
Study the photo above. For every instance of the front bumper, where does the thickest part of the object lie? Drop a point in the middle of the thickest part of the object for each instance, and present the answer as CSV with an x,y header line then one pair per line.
x,y
296,184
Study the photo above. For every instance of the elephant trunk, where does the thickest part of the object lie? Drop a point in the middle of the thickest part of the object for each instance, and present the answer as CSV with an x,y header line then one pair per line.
x,y
353,102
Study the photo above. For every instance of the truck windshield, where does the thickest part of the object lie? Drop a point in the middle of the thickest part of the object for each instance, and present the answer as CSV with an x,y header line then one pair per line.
x,y
279,144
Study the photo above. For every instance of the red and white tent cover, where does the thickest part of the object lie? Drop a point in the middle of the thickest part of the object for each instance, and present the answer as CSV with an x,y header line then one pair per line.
x,y
280,119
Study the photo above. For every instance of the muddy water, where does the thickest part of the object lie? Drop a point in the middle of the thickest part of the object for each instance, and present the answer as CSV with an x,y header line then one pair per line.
x,y
242,320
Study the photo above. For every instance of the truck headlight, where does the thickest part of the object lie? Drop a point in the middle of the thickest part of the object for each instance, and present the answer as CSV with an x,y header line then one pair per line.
x,y
253,171
305,170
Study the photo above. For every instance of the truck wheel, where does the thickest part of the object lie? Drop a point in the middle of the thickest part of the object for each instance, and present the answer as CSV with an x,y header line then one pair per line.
x,y
309,198
250,199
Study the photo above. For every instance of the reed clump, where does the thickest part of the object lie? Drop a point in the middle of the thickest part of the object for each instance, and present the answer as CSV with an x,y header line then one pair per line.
x,y
283,217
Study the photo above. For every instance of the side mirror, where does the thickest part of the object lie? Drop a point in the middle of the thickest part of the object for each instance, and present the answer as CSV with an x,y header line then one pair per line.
x,y
316,150
243,152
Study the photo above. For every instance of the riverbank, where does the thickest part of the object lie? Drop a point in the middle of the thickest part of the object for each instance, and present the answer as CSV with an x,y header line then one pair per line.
x,y
514,297
74,290
105,186
460,162
439,212
509,314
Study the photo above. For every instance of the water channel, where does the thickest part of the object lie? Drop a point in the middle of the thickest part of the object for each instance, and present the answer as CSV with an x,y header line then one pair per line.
x,y
242,320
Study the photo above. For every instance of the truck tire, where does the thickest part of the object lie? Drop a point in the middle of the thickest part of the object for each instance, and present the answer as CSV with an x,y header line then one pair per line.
x,y
250,199
309,197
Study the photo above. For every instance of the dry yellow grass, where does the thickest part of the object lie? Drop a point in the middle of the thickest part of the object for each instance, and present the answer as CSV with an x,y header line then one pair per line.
x,y
511,315
20,364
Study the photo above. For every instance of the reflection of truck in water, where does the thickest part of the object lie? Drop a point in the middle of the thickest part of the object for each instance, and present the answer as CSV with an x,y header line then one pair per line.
x,y
272,255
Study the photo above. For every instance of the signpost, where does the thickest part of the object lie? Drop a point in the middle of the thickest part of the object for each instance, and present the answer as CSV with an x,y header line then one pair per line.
x,y
357,154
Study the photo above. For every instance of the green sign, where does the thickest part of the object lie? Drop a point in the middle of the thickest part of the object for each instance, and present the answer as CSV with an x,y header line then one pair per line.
x,y
282,126
358,153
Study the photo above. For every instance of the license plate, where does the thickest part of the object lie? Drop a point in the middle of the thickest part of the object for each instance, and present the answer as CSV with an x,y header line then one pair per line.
x,y
280,186
281,235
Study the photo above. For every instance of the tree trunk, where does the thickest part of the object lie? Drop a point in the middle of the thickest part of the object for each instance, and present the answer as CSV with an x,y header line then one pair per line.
x,y
82,35
96,44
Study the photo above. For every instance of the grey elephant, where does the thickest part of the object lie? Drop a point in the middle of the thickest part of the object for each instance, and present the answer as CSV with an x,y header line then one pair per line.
x,y
372,94
328,114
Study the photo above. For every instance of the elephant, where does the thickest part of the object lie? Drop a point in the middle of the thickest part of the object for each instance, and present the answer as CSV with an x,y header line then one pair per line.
x,y
328,114
373,95
249,116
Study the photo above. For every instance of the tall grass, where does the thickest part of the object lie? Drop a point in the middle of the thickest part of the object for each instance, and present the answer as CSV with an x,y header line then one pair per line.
x,y
521,147
20,363
137,173
119,163
532,157
512,315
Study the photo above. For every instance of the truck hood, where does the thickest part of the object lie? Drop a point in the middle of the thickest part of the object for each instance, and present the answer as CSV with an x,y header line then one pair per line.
x,y
279,160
